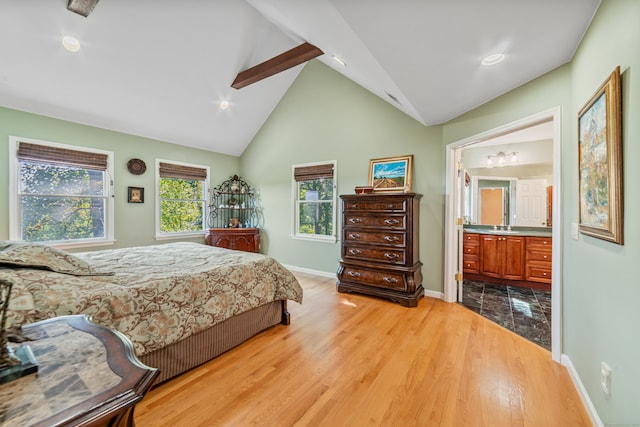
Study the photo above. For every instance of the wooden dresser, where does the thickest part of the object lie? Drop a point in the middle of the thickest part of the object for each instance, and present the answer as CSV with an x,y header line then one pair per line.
x,y
241,239
380,244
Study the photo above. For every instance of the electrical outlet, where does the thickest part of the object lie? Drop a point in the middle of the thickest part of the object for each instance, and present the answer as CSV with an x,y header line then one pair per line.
x,y
605,378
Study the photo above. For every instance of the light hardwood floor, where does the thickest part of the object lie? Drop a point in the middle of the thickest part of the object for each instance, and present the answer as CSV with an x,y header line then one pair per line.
x,y
352,360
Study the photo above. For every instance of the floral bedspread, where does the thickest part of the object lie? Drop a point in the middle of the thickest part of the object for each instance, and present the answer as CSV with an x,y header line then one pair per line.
x,y
157,295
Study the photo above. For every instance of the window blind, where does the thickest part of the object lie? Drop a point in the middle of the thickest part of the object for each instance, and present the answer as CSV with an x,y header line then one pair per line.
x,y
61,156
170,170
309,173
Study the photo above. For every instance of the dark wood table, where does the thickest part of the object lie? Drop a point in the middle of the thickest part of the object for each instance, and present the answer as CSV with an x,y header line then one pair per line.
x,y
88,375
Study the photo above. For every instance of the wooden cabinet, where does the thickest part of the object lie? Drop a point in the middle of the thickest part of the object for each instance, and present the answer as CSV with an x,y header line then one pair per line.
x,y
241,239
88,376
380,248
538,259
502,256
471,253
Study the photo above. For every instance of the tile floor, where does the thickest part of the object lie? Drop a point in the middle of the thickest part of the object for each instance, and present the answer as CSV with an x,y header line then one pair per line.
x,y
527,312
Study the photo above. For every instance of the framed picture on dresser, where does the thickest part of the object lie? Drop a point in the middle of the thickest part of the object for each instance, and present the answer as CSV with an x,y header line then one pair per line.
x,y
392,174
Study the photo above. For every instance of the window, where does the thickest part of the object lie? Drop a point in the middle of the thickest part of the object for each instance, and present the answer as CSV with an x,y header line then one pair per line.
x,y
60,194
315,201
182,198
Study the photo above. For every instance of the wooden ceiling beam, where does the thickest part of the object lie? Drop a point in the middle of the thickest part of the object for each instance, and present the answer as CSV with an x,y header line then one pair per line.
x,y
277,64
82,7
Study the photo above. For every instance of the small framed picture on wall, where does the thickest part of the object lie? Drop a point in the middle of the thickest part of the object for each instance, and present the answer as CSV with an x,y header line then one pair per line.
x,y
135,195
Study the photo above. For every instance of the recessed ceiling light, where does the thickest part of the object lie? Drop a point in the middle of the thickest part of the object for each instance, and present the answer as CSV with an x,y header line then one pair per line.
x,y
71,43
493,59
223,105
339,61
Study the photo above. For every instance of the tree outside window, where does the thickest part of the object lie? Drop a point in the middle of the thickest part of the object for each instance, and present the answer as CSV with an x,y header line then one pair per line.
x,y
315,200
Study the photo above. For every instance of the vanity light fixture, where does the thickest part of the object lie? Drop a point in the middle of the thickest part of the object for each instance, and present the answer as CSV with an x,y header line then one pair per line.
x,y
493,59
502,159
71,43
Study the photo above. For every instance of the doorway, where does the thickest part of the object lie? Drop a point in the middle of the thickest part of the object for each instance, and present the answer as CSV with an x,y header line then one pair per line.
x,y
455,211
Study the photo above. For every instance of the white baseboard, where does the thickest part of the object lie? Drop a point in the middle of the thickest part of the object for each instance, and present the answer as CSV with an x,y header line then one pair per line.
x,y
309,271
586,400
433,294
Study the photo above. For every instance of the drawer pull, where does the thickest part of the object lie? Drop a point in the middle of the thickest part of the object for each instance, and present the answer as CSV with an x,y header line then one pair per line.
x,y
354,274
354,236
389,255
355,251
355,220
390,279
545,257
390,206
353,206
391,238
392,221
468,250
544,274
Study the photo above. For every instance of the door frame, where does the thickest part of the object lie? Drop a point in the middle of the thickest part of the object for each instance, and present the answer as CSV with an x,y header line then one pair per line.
x,y
453,249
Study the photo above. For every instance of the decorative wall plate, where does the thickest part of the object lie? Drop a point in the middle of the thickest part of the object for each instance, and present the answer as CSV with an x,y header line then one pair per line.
x,y
136,166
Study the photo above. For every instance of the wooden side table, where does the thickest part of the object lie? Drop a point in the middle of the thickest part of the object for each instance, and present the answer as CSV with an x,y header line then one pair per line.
x,y
88,376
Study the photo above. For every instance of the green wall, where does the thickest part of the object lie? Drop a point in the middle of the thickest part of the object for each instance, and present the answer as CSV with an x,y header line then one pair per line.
x,y
134,223
600,288
325,116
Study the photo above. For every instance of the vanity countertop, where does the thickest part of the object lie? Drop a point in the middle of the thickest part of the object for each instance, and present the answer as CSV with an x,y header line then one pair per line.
x,y
515,231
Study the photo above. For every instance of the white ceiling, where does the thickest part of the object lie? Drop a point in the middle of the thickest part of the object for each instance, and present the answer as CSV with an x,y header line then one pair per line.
x,y
158,68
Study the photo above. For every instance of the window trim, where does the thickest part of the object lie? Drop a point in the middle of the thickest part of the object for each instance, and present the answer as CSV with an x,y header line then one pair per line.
x,y
294,201
207,191
15,207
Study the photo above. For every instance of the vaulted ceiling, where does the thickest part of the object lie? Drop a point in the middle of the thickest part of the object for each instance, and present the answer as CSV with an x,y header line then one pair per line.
x,y
159,68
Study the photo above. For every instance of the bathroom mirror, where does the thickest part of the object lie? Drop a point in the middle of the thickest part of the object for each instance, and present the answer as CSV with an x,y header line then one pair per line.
x,y
491,201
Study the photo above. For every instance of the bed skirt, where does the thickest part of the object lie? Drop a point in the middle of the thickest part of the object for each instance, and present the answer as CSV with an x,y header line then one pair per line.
x,y
197,349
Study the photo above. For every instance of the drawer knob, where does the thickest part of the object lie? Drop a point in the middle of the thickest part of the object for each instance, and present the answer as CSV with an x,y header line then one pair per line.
x,y
391,238
389,255
545,257
544,274
354,236
390,279
391,221
355,251
354,274
355,220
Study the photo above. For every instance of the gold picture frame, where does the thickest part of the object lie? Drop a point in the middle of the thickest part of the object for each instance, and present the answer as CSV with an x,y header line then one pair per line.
x,y
391,174
600,163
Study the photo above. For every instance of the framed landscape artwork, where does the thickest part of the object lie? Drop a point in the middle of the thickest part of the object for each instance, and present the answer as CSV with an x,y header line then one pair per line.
x,y
600,163
391,174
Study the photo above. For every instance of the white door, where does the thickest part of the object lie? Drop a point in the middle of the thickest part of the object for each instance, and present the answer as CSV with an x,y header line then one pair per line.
x,y
531,202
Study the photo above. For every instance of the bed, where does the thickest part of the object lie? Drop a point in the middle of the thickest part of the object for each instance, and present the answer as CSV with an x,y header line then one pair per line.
x,y
181,304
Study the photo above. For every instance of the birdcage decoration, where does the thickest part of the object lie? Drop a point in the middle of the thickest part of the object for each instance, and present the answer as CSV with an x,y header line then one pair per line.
x,y
234,205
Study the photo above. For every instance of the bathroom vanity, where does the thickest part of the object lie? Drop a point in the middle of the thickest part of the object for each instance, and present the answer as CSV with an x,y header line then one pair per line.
x,y
520,256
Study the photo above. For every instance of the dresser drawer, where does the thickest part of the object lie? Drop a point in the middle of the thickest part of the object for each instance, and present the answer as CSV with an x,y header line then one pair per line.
x,y
539,243
376,205
390,238
537,273
470,265
471,238
536,255
380,279
381,222
382,255
471,249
